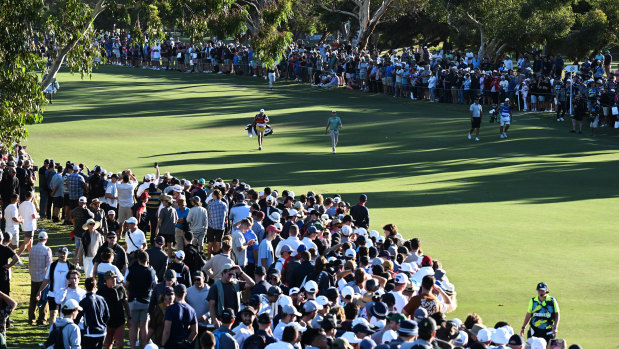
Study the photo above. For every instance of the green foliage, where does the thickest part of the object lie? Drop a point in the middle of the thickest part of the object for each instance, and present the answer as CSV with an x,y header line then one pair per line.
x,y
270,40
21,97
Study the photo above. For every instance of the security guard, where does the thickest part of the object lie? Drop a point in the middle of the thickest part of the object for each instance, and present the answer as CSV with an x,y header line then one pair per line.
x,y
543,315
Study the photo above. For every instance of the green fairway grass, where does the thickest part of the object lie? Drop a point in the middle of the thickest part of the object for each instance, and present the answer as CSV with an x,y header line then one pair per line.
x,y
501,215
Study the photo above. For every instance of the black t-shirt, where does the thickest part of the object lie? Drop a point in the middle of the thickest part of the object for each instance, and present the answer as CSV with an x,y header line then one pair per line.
x,y
261,288
6,253
140,280
230,299
114,298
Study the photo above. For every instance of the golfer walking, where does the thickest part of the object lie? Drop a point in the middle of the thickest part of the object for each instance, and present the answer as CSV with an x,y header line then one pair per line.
x,y
334,125
505,111
260,124
475,110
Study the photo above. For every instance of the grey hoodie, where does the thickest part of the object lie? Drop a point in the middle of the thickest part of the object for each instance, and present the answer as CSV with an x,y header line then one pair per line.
x,y
70,333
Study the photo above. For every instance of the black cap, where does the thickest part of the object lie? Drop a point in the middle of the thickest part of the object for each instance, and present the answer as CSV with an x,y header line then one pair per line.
x,y
329,321
180,289
111,233
228,315
427,325
274,291
160,240
363,198
516,339
260,271
249,309
542,286
168,291
198,274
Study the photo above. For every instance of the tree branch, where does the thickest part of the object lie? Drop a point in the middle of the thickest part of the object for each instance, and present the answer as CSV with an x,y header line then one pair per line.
x,y
340,11
380,11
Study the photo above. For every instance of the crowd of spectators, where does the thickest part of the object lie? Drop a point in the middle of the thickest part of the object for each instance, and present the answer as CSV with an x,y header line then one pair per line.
x,y
280,270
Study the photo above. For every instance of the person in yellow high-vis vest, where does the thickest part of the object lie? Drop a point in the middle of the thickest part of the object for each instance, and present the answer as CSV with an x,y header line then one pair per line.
x,y
542,315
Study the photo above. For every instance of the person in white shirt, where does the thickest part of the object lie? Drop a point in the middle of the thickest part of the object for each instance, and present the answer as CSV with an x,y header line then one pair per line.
x,y
156,55
292,241
509,65
72,289
125,195
245,329
12,219
475,110
239,245
134,237
310,236
401,280
289,313
29,214
111,192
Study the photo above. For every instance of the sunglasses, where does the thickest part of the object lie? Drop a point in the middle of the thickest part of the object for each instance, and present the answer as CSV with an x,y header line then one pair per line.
x,y
91,224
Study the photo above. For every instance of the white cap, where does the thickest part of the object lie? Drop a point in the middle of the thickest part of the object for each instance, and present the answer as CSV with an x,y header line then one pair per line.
x,y
484,335
311,306
177,188
462,339
350,253
360,320
42,235
270,198
284,300
262,110
290,193
407,267
361,232
346,230
537,343
294,290
297,326
322,300
292,213
401,278
187,183
83,199
374,234
111,212
500,336
333,111
337,199
389,335
351,338
506,99
71,304
311,286
131,220
180,254
347,291
260,193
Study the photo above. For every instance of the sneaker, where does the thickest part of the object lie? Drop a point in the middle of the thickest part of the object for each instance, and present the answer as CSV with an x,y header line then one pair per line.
x,y
260,148
254,75
501,136
504,134
573,131
469,136
20,263
333,151
477,139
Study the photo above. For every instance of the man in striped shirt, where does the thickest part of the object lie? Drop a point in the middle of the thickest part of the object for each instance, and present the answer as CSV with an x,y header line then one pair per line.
x,y
40,260
217,213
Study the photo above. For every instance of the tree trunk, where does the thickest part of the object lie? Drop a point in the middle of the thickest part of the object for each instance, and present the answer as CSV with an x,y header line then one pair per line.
x,y
64,51
364,37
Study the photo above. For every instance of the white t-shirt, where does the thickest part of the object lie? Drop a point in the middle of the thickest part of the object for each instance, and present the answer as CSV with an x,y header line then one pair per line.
x,y
138,239
400,301
291,241
156,50
106,266
113,191
238,240
60,280
475,110
10,212
26,210
125,193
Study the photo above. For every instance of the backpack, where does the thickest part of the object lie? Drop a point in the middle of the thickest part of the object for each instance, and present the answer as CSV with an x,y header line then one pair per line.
x,y
255,341
55,339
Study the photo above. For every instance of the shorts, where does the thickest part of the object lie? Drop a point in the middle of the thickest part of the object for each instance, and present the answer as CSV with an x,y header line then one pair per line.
x,y
540,98
52,304
214,235
199,238
606,111
475,122
139,311
363,76
14,238
28,234
58,201
260,128
114,334
226,61
533,99
595,122
505,121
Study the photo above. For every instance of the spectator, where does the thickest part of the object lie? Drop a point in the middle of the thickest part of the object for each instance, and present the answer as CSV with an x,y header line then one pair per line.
x,y
217,216
225,293
40,260
79,215
224,335
91,242
166,223
169,280
71,334
158,259
139,283
96,315
119,256
198,221
183,275
244,329
196,298
56,278
28,213
115,296
125,195
12,220
181,322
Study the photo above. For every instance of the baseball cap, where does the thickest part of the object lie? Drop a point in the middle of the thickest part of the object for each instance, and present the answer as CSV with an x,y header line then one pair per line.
x,y
462,339
228,315
322,300
311,286
83,199
348,291
334,111
350,253
289,309
346,230
260,270
389,336
42,235
131,220
284,300
180,289
363,197
484,335
408,328
311,306
286,248
427,325
274,291
262,110
420,314
160,240
168,291
294,290
500,336
180,254
350,337
516,339
71,304
401,278
63,249
273,228
367,343
329,321
111,212
198,274
109,274
426,261
362,328
249,309
170,275
542,286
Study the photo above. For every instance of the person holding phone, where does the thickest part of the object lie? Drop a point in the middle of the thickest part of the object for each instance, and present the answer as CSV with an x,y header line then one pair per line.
x,y
240,244
542,315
